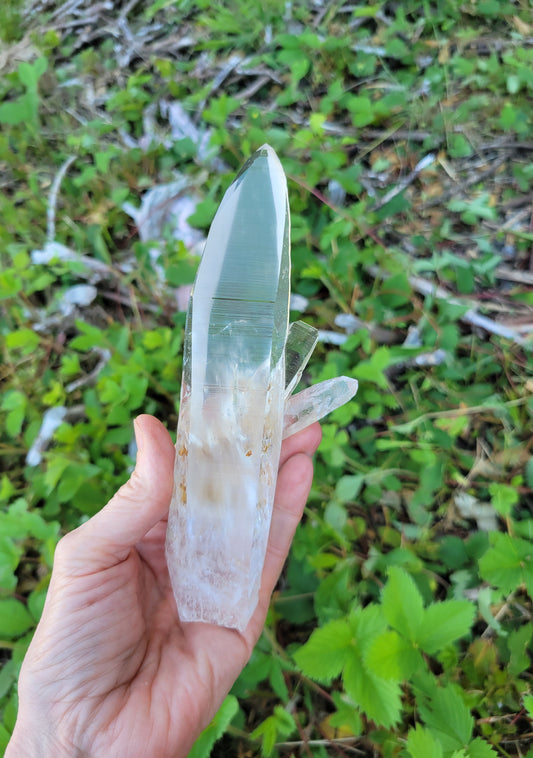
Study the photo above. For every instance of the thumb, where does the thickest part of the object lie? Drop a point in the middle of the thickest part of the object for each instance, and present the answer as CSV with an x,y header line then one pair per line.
x,y
108,537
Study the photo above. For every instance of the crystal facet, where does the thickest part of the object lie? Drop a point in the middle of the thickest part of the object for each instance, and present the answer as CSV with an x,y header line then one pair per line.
x,y
240,365
301,341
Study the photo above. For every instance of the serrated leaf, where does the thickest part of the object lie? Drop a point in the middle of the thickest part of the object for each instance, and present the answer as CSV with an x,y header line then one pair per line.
x,y
448,718
366,624
378,698
422,744
508,563
267,732
14,618
392,657
443,623
284,721
280,724
478,748
346,718
323,655
402,603
203,745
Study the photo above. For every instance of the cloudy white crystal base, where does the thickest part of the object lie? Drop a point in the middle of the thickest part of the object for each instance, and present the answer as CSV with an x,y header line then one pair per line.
x,y
216,548
222,506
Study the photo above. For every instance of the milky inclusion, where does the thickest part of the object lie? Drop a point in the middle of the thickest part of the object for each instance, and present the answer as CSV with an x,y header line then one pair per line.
x,y
234,388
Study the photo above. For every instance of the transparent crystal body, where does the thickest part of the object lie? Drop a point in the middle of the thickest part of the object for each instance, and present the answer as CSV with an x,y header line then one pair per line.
x,y
235,383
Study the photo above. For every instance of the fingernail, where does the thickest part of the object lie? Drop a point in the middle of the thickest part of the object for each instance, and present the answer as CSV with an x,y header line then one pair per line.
x,y
139,436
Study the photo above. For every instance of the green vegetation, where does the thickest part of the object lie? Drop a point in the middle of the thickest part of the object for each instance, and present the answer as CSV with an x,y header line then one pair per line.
x,y
402,625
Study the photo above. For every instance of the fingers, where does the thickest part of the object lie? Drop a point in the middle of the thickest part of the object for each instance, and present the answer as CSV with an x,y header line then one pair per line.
x,y
294,482
140,504
305,441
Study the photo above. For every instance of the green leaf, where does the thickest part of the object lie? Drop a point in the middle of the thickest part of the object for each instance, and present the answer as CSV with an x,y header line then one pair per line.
x,y
30,73
367,623
402,603
90,336
478,748
75,477
484,601
363,111
346,717
503,497
518,644
378,698
323,655
9,559
16,112
24,339
8,675
478,207
528,705
448,718
14,618
203,745
529,472
280,724
373,369
392,657
6,488
422,744
4,738
508,563
203,215
513,84
348,487
443,623
277,680
36,601
14,400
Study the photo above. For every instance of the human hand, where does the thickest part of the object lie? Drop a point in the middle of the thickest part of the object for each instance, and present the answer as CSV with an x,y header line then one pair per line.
x,y
111,671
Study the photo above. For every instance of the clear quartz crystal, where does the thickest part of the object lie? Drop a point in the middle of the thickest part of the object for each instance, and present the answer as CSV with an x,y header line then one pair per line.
x,y
240,365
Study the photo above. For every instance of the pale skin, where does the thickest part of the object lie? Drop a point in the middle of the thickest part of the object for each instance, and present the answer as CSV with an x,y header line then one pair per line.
x,y
111,671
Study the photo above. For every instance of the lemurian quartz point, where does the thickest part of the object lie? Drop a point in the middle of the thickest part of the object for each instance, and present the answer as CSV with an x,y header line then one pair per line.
x,y
240,365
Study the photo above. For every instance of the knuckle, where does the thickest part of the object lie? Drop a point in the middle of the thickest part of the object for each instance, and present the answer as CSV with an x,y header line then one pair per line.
x,y
65,548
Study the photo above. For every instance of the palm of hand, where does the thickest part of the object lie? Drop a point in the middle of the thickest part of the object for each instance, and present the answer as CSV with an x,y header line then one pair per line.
x,y
121,673
141,678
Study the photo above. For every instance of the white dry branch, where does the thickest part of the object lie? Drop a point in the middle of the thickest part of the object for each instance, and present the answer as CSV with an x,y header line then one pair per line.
x,y
52,200
105,357
52,419
422,164
472,315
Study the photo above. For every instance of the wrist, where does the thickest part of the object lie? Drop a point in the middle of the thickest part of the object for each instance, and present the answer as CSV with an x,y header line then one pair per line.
x,y
31,741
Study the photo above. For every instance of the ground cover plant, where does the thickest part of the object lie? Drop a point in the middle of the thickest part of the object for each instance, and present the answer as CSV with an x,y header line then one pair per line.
x,y
402,624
